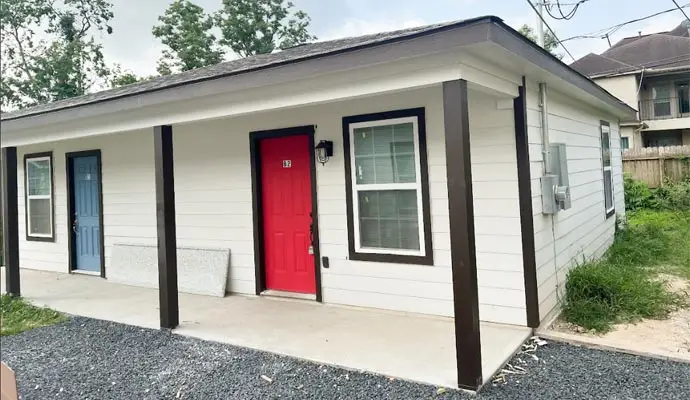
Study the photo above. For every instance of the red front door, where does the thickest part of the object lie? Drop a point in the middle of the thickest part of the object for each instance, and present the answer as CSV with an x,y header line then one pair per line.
x,y
286,201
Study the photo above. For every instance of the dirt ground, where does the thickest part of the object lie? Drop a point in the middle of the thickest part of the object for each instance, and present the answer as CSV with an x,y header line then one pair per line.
x,y
666,338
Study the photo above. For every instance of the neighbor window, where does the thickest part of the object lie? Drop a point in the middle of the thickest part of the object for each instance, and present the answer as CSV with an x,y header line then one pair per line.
x,y
625,144
606,163
387,194
662,101
38,169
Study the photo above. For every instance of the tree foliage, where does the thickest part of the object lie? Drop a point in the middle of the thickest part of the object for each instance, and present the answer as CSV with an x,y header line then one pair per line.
x,y
48,50
185,29
550,41
252,27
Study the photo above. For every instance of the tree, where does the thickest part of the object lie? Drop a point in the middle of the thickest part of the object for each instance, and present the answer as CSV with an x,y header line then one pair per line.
x,y
67,63
120,78
550,41
123,78
252,27
185,30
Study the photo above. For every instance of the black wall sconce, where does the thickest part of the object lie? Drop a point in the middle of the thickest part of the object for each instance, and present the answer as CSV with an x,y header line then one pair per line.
x,y
324,151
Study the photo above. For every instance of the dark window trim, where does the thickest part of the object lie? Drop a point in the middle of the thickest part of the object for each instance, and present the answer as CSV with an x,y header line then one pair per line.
x,y
526,213
71,242
30,238
428,257
257,206
607,213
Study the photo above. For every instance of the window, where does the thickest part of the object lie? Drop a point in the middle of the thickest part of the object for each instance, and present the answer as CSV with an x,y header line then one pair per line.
x,y
606,163
387,187
625,144
38,169
662,101
683,98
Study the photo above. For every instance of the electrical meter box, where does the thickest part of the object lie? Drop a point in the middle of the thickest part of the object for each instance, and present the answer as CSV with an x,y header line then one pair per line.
x,y
555,188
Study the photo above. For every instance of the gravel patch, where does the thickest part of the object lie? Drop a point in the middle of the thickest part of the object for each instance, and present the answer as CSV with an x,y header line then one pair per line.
x,y
92,359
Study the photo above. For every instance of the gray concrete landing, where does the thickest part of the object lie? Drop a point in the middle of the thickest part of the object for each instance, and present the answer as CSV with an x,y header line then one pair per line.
x,y
408,346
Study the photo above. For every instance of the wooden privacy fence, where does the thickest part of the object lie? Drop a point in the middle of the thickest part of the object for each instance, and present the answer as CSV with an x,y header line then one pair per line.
x,y
655,165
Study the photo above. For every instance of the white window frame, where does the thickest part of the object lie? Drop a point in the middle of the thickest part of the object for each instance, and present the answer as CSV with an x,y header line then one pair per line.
x,y
417,185
607,128
30,197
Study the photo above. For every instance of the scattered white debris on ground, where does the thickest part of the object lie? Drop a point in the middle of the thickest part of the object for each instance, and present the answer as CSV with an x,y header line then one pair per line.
x,y
528,350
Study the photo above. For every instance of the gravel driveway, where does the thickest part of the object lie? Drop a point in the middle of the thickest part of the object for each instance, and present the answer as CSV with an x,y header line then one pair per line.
x,y
91,359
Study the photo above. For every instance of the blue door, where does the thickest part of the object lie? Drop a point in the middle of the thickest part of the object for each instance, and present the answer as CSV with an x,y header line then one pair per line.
x,y
86,222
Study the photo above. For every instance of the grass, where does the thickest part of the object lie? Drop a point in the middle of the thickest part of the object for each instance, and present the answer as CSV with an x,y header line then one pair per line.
x,y
17,315
623,286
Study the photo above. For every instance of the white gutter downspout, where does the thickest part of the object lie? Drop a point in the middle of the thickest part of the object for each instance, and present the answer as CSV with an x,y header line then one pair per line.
x,y
546,152
545,143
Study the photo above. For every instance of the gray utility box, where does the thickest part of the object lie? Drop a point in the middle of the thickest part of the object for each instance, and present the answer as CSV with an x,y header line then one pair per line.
x,y
555,188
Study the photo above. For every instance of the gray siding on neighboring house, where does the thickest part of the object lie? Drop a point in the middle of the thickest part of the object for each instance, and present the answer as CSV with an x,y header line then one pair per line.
x,y
582,232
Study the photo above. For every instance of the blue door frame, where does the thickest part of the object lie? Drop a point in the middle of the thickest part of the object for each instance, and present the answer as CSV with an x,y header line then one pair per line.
x,y
85,212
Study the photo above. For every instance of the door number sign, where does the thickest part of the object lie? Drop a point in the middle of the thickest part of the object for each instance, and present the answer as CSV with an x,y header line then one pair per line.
x,y
287,163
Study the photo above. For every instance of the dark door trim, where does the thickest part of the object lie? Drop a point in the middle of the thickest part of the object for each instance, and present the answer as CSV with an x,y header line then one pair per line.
x,y
257,207
69,157
468,350
526,215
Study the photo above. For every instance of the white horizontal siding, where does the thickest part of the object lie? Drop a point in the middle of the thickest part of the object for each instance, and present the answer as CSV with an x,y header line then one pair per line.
x,y
582,232
498,239
212,177
129,209
214,209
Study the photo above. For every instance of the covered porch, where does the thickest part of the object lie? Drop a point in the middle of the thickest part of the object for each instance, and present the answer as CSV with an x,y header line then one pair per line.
x,y
181,168
400,345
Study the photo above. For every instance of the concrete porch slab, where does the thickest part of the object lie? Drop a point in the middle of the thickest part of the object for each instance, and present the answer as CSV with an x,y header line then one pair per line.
x,y
407,346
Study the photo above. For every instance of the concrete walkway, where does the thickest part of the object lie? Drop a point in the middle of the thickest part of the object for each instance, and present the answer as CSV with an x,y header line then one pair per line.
x,y
408,346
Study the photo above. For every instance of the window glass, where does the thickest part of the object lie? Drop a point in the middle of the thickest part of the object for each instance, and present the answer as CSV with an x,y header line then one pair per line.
x,y
38,172
605,132
624,143
389,219
39,216
384,154
386,187
39,200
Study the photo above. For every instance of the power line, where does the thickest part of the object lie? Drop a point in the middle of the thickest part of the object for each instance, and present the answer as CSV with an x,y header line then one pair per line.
x,y
602,33
547,25
681,10
558,6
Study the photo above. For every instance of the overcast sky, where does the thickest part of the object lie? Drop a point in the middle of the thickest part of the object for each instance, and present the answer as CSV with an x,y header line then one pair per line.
x,y
133,46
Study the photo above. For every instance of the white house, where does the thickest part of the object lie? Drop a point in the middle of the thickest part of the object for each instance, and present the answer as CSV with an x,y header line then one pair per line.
x,y
424,195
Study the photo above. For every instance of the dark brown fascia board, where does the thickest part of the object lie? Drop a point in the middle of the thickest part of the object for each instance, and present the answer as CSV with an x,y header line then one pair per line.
x,y
513,41
468,32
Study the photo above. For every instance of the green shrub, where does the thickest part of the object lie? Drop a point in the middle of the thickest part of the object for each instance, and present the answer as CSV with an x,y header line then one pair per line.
x,y
637,194
673,196
670,196
622,286
601,294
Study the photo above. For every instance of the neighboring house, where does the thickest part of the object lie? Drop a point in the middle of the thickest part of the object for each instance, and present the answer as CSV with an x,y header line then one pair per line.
x,y
652,74
430,202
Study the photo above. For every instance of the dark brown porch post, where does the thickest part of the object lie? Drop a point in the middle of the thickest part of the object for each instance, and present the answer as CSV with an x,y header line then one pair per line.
x,y
526,218
10,220
165,217
461,214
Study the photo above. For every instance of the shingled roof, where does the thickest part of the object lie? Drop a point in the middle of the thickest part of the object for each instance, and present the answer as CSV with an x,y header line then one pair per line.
x,y
243,65
659,50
